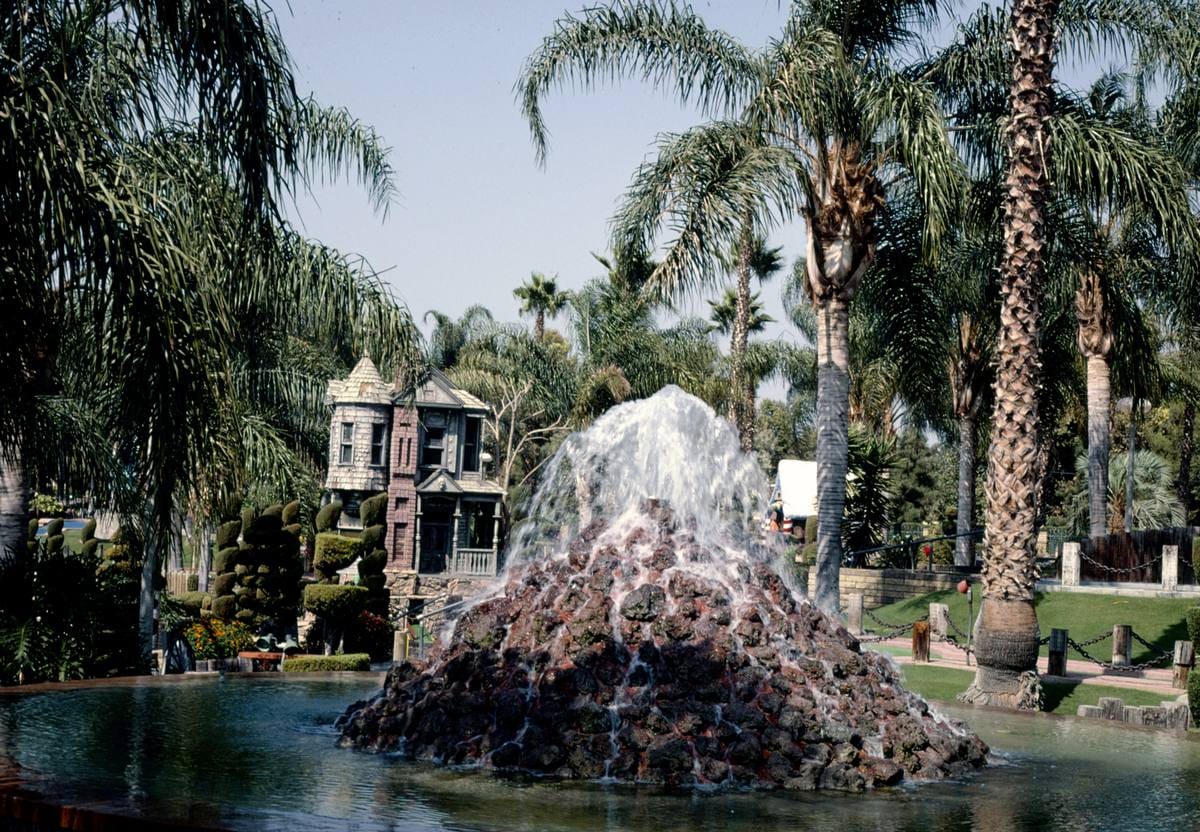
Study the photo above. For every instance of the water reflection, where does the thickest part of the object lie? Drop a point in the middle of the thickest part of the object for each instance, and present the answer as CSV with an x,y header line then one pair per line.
x,y
254,753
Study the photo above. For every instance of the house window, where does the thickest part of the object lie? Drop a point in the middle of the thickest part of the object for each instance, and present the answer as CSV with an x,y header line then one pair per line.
x,y
480,525
433,451
346,453
471,444
378,437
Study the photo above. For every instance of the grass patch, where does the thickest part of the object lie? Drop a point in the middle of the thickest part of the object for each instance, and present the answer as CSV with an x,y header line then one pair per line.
x,y
1158,620
943,684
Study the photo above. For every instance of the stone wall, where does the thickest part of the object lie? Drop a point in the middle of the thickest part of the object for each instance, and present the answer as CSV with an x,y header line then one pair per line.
x,y
883,586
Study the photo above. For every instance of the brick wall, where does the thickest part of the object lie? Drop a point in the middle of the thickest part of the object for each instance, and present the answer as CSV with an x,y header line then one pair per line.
x,y
402,490
883,586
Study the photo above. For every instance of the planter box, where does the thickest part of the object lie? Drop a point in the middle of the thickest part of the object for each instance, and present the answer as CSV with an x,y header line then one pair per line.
x,y
217,666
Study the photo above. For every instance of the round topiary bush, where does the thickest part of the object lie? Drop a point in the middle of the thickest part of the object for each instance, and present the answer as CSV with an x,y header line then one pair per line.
x,y
227,534
335,552
291,513
1193,626
372,510
337,603
1193,692
328,516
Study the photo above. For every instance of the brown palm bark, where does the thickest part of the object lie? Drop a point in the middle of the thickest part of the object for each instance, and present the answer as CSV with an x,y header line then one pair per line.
x,y
539,325
14,504
841,246
1006,640
1095,340
741,408
1183,486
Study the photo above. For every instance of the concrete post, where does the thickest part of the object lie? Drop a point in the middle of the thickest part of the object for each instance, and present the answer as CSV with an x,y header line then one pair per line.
x,y
399,645
1070,564
1184,658
939,621
1170,568
854,613
1057,665
1121,644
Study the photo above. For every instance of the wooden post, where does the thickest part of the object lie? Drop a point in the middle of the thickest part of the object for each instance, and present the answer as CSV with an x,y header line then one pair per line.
x,y
399,647
920,644
1058,653
1170,568
1185,657
854,613
1121,642
939,618
1070,564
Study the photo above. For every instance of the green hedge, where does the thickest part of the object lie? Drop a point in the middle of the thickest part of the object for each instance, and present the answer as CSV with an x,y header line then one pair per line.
x,y
335,552
1193,692
1193,626
315,664
291,513
810,529
335,602
373,510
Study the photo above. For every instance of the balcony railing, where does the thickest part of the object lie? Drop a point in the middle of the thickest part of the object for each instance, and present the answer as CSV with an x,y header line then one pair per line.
x,y
467,562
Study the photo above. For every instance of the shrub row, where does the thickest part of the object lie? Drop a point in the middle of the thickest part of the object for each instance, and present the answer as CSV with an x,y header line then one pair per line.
x,y
314,664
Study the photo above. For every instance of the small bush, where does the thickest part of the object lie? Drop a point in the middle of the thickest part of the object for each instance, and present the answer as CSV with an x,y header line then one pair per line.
x,y
45,505
88,532
273,510
225,559
328,515
335,552
372,510
372,564
335,602
809,553
1193,692
192,602
317,664
371,538
54,527
1193,626
371,634
248,516
215,639
810,529
1196,555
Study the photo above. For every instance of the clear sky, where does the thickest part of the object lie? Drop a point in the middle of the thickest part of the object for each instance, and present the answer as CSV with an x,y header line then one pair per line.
x,y
475,214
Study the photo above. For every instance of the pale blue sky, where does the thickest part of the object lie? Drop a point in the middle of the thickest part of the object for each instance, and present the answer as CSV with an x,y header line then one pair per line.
x,y
475,214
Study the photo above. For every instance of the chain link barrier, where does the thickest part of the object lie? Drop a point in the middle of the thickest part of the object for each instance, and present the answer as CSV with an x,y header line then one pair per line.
x,y
1122,668
1118,570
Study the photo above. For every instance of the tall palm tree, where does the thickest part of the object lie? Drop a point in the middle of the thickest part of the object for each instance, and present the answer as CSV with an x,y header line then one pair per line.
x,y
122,116
723,313
540,296
808,127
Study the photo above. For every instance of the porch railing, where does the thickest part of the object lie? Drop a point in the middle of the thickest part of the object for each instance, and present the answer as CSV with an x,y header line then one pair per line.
x,y
472,562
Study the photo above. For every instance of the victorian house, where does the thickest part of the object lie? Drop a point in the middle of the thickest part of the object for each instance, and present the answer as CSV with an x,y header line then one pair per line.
x,y
424,446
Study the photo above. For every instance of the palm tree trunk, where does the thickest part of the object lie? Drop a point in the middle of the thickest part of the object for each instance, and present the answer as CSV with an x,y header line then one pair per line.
x,y
203,556
739,414
1186,447
14,505
539,325
1006,641
964,544
1099,443
833,420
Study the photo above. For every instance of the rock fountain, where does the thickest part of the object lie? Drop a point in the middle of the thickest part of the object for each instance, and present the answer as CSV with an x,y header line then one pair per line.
x,y
642,632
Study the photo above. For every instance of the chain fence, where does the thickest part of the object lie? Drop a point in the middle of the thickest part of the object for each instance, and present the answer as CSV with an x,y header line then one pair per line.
x,y
1118,570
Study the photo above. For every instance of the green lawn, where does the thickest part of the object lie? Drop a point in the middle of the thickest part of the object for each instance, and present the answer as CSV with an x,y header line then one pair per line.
x,y
943,684
1158,620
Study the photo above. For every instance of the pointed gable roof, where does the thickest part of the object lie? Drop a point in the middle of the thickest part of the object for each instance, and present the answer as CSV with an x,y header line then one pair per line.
x,y
440,482
364,385
436,390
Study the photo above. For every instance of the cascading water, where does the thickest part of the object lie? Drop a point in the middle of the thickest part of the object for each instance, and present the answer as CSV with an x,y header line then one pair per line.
x,y
641,633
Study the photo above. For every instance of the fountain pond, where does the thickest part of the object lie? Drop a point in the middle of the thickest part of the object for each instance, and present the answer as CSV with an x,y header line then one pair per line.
x,y
258,752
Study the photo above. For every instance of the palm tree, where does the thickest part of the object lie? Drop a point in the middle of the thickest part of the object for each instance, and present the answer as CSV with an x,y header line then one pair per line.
x,y
810,126
540,297
724,313
450,336
1155,506
127,122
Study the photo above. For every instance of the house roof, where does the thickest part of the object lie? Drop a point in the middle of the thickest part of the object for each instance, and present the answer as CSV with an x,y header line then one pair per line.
x,y
436,390
364,385
441,482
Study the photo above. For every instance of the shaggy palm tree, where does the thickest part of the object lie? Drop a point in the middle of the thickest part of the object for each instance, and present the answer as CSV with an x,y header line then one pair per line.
x,y
540,297
810,127
450,336
999,73
121,118
1155,503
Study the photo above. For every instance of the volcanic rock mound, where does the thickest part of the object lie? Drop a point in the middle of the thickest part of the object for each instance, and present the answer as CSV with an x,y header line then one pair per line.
x,y
654,643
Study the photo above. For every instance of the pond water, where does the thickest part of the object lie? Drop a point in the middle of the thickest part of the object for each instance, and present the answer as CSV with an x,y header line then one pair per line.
x,y
258,753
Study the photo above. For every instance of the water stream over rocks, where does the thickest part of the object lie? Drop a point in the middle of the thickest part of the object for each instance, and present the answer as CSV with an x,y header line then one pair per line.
x,y
642,633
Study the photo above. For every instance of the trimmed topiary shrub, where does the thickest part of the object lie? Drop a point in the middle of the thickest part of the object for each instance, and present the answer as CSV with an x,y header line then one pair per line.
x,y
273,510
335,602
192,602
225,559
373,510
370,568
88,532
328,516
335,552
317,664
258,581
810,529
291,513
88,544
1196,555
809,553
193,582
54,528
227,534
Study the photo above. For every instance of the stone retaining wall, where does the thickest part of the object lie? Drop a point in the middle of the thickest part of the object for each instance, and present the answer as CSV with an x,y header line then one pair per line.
x,y
884,586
